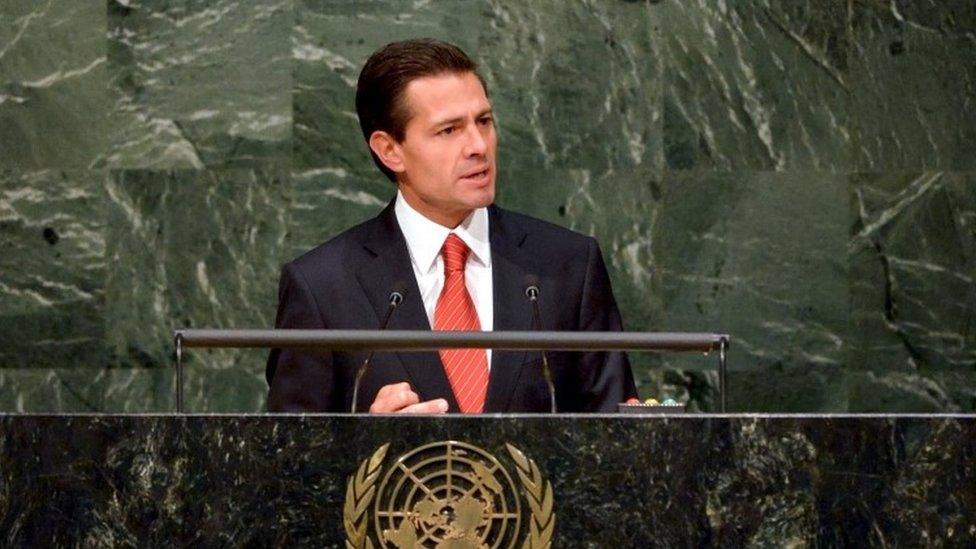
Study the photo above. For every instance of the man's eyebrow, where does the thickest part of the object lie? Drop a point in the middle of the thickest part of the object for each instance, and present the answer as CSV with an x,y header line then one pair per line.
x,y
456,119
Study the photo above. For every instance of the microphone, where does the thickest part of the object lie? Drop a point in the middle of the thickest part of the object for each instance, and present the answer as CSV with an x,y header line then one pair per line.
x,y
532,292
396,297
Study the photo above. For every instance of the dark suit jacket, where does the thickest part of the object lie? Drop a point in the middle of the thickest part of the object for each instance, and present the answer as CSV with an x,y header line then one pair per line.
x,y
346,282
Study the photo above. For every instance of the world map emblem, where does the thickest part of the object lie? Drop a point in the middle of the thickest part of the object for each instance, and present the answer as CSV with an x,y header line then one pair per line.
x,y
448,495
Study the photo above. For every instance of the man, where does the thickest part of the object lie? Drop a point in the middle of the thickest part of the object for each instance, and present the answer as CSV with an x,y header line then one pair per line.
x,y
460,262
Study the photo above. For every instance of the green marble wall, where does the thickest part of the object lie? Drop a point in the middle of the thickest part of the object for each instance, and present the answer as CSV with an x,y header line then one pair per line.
x,y
799,174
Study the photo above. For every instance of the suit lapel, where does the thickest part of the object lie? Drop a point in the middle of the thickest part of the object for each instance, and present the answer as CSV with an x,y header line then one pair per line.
x,y
511,308
389,269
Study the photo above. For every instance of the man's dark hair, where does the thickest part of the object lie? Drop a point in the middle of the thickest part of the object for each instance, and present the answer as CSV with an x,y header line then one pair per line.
x,y
380,91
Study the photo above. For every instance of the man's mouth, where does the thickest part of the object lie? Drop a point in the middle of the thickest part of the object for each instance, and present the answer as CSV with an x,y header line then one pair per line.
x,y
476,175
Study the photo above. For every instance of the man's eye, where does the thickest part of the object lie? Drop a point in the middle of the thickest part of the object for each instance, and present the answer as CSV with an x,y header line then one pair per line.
x,y
486,121
446,131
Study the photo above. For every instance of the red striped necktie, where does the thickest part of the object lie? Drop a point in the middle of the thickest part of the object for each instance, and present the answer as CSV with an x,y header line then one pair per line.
x,y
467,369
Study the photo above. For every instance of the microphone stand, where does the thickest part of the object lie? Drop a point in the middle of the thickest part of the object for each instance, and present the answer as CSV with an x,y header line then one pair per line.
x,y
395,299
532,292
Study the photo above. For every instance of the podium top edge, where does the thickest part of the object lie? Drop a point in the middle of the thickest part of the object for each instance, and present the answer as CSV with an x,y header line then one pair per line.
x,y
488,417
425,340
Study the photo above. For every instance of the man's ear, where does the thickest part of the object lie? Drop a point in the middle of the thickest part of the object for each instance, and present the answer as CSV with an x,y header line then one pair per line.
x,y
387,149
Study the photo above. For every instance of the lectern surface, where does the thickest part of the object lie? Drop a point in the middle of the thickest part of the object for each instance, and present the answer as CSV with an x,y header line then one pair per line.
x,y
495,481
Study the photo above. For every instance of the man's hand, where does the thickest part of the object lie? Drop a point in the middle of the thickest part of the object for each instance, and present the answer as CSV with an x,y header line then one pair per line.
x,y
401,399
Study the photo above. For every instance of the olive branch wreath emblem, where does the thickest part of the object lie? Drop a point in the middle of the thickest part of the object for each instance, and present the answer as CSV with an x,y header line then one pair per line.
x,y
359,494
361,489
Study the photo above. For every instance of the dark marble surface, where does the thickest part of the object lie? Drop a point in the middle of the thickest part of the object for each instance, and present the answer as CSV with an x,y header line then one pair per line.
x,y
52,235
764,259
798,174
53,84
199,83
756,85
195,248
913,244
727,481
913,83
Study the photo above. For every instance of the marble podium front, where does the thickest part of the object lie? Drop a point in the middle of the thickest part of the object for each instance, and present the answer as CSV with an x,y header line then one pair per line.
x,y
617,481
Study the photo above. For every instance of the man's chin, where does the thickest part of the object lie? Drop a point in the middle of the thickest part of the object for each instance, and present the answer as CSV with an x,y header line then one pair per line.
x,y
480,198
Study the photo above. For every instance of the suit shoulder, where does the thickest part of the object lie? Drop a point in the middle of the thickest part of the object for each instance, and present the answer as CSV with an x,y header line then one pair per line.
x,y
335,252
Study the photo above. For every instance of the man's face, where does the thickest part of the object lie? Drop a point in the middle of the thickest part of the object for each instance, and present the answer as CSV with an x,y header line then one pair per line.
x,y
448,149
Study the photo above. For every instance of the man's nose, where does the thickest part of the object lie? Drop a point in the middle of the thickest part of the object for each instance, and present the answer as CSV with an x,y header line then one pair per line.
x,y
476,143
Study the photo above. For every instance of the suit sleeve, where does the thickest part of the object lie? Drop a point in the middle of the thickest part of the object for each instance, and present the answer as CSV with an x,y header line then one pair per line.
x,y
604,378
299,380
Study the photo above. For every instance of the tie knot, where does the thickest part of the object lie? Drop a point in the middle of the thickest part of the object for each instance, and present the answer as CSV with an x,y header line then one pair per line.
x,y
455,253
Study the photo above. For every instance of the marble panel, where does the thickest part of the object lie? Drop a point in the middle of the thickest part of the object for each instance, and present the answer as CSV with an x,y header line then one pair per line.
x,y
199,83
755,85
220,381
41,390
913,84
52,269
586,98
761,256
195,249
327,201
575,85
920,392
330,43
53,100
92,390
912,257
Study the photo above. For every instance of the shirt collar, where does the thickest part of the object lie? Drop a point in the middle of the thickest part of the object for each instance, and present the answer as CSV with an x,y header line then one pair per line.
x,y
425,237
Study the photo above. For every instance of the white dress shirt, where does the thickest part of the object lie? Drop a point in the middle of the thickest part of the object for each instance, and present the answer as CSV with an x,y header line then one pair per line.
x,y
425,239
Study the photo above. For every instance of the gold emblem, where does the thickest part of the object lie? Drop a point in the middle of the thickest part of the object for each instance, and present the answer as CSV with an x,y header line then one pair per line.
x,y
448,495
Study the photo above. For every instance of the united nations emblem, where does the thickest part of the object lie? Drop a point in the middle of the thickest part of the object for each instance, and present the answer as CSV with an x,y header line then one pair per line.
x,y
448,495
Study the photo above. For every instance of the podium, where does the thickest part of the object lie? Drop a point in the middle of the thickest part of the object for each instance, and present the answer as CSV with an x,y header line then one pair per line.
x,y
610,481
540,480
